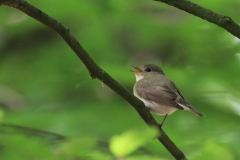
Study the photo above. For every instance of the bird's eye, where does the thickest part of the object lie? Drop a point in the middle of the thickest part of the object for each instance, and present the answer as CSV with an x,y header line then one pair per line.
x,y
148,70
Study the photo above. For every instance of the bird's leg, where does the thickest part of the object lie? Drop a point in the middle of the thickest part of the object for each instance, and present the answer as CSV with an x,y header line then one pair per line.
x,y
160,125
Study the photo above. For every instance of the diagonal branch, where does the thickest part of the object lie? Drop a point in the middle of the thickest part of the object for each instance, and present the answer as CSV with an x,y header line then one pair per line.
x,y
94,70
206,14
49,137
6,128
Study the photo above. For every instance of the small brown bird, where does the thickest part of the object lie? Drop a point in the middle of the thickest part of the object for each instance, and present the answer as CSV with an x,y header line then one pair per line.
x,y
158,92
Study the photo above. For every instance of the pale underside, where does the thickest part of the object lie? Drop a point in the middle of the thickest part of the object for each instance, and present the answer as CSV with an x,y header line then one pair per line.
x,y
157,108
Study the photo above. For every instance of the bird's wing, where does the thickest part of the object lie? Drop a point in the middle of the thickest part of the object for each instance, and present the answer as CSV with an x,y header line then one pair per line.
x,y
160,94
180,93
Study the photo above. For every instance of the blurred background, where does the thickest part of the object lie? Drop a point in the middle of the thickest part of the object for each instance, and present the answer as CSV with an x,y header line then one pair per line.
x,y
43,84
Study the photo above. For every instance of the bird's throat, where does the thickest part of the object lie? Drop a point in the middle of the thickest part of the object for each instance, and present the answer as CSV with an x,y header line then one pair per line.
x,y
139,76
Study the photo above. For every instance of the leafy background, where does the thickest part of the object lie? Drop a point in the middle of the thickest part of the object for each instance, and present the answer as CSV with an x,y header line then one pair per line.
x,y
43,84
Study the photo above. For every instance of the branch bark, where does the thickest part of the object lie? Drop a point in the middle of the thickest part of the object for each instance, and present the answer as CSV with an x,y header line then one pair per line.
x,y
221,20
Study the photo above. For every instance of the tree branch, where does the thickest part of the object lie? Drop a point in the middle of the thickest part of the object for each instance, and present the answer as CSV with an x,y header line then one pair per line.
x,y
6,128
206,14
94,70
49,137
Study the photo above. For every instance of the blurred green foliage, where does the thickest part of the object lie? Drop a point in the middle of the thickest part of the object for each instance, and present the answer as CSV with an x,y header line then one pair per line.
x,y
122,145
44,85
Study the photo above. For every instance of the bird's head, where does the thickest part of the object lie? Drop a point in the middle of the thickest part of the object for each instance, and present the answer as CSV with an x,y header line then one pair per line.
x,y
147,70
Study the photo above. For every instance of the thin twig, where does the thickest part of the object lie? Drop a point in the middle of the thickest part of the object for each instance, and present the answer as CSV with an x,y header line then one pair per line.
x,y
6,128
206,14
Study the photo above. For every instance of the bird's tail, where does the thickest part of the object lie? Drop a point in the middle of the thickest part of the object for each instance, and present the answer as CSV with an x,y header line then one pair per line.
x,y
195,111
190,108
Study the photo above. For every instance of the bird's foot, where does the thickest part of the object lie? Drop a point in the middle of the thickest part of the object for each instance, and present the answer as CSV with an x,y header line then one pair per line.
x,y
160,126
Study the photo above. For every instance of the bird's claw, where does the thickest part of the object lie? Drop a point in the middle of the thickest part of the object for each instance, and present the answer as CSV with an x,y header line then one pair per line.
x,y
160,126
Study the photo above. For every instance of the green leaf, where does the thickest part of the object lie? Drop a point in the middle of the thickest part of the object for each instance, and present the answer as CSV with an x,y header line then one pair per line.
x,y
78,147
129,141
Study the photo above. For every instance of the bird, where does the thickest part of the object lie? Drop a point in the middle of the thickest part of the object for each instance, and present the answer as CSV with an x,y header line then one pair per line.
x,y
159,93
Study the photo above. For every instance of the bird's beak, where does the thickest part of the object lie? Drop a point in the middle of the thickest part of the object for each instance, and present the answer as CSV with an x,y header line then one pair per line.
x,y
138,70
